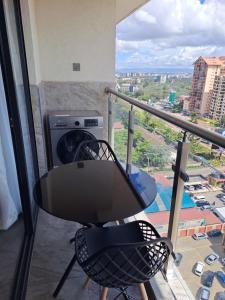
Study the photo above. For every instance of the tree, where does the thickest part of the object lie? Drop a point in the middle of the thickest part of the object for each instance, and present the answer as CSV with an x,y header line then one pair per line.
x,y
120,144
194,117
124,116
177,108
222,121
197,147
145,153
164,91
146,82
138,93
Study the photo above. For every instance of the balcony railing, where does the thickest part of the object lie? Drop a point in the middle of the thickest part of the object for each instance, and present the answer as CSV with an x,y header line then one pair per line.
x,y
182,148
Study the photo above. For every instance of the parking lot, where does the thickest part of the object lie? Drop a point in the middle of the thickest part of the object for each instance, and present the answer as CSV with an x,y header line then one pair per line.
x,y
211,197
197,250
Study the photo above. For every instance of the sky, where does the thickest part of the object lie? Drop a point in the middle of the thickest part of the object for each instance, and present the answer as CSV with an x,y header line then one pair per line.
x,y
171,33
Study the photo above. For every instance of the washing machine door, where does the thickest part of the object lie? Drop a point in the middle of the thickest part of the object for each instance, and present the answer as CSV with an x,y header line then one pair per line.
x,y
68,143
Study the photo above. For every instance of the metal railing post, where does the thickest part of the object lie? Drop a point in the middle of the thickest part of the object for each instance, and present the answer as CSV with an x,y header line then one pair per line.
x,y
178,188
130,140
110,121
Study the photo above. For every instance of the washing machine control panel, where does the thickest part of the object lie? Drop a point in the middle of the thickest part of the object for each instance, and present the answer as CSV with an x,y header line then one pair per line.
x,y
70,122
90,122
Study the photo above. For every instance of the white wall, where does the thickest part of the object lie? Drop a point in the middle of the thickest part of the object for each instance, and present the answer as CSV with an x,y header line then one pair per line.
x,y
31,42
75,31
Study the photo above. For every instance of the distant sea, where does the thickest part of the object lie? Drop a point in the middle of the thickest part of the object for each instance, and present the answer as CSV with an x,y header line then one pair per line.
x,y
169,70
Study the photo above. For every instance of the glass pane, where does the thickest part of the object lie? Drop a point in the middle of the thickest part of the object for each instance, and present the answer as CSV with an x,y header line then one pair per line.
x,y
120,127
18,78
154,153
202,233
11,219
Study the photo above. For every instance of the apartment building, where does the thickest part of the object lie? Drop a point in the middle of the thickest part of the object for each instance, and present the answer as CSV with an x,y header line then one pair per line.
x,y
205,70
217,107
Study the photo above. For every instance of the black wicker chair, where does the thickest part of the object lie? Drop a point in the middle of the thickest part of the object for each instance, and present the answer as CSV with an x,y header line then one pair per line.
x,y
121,256
94,150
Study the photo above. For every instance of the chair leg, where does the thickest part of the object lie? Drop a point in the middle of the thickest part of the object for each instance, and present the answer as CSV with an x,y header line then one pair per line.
x,y
143,293
87,282
104,293
65,275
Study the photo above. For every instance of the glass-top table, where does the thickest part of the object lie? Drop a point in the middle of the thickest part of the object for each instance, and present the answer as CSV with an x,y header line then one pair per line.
x,y
92,191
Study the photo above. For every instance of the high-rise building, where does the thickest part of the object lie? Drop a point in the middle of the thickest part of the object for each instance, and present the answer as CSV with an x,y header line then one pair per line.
x,y
172,97
217,107
205,70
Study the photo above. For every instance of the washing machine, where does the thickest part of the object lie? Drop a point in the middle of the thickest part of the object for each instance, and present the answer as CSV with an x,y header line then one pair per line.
x,y
65,131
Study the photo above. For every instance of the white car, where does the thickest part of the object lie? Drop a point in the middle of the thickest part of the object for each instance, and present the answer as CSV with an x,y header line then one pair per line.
x,y
198,269
206,207
204,188
210,259
199,197
190,188
200,236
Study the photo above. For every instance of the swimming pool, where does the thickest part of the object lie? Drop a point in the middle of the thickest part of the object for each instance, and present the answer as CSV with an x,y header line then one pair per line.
x,y
164,203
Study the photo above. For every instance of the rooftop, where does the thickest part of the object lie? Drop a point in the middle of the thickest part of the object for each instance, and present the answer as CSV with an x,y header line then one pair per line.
x,y
187,214
212,61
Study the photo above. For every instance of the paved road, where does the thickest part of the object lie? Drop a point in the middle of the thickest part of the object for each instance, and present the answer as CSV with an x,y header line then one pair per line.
x,y
211,197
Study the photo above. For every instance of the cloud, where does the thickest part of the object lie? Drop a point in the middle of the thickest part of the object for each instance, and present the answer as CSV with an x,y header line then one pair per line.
x,y
173,32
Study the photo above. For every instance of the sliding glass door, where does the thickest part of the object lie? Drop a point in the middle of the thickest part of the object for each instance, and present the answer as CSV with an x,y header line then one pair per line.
x,y
22,91
18,160
11,216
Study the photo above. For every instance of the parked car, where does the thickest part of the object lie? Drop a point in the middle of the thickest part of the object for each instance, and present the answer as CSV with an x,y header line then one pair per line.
x,y
198,269
204,188
201,203
208,278
204,293
200,197
214,233
190,187
211,258
221,277
199,187
206,207
220,196
200,236
220,296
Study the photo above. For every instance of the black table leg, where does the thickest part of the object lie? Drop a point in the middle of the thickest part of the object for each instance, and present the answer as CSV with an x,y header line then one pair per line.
x,y
65,275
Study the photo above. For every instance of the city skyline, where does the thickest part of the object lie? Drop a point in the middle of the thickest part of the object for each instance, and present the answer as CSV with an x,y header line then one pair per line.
x,y
150,38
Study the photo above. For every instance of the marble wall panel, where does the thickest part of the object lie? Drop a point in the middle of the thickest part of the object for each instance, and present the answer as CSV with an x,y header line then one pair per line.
x,y
76,96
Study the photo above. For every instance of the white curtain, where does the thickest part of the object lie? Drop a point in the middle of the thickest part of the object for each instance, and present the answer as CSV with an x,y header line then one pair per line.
x,y
10,205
